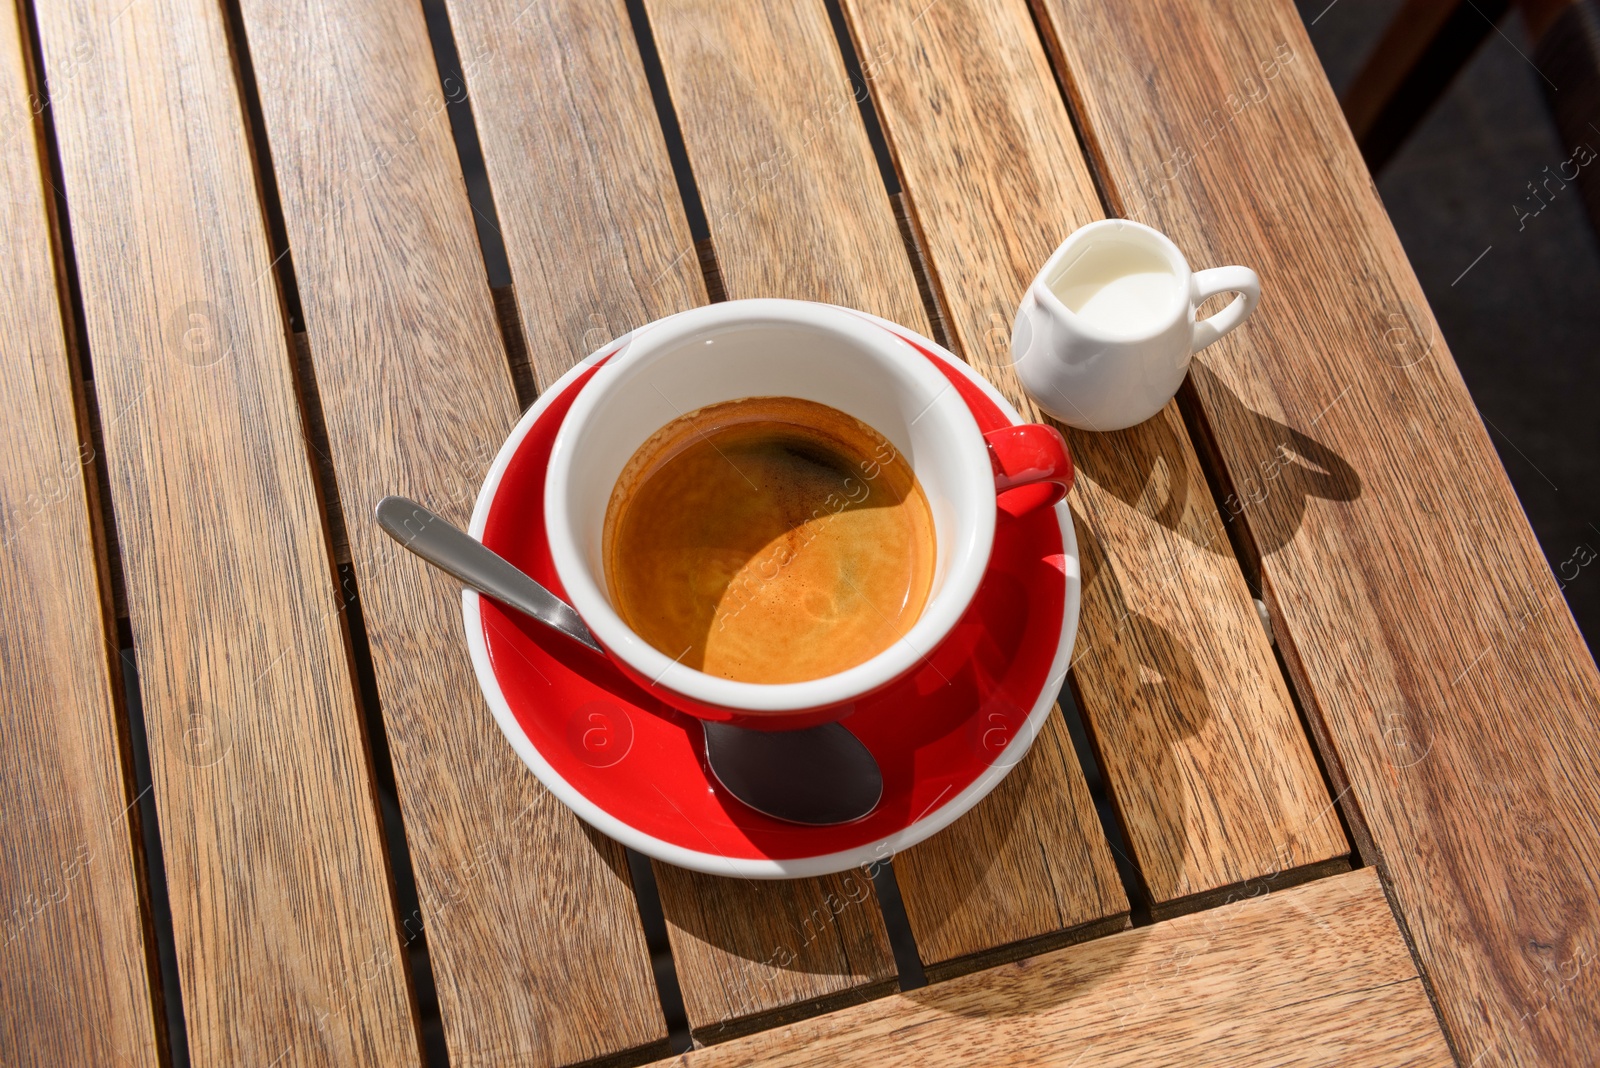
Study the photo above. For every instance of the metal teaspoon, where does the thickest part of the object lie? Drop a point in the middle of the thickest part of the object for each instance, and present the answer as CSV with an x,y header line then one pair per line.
x,y
816,776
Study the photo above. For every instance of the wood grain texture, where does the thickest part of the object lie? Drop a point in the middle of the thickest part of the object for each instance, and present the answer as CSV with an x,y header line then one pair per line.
x,y
752,953
535,941
797,208
1426,633
1211,773
1028,868
792,194
287,939
1316,975
594,229
75,985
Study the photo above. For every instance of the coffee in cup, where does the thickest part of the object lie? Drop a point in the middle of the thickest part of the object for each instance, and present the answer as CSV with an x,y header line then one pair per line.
x,y
769,540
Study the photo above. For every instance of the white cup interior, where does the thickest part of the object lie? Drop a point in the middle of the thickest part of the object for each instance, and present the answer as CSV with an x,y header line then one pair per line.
x,y
771,348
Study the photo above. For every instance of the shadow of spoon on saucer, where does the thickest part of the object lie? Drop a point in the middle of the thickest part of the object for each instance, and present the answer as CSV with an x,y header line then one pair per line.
x,y
816,776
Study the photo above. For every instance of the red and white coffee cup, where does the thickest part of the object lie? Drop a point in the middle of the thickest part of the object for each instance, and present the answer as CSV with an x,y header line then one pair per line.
x,y
816,352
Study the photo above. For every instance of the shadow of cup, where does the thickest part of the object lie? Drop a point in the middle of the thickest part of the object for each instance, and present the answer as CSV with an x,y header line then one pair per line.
x,y
1142,696
1144,466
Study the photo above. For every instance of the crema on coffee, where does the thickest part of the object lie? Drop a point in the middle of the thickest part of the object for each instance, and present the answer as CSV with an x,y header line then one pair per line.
x,y
769,540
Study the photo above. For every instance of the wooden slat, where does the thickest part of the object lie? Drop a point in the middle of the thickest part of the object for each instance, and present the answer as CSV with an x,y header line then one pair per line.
x,y
1026,869
534,938
75,985
797,208
1317,975
1211,773
792,194
750,954
1423,627
287,940
594,228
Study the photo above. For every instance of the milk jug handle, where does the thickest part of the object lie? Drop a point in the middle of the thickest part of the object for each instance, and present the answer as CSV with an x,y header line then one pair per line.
x,y
1206,284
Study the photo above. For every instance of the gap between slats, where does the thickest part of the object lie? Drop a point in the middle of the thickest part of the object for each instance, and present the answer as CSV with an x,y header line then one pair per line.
x,y
159,905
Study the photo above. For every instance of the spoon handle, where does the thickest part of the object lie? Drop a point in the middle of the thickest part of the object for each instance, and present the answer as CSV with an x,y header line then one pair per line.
x,y
457,553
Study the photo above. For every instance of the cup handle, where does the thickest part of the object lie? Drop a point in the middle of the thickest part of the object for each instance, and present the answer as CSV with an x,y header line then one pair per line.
x,y
1207,284
1031,457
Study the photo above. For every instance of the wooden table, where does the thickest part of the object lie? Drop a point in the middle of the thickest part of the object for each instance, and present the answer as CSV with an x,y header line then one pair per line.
x,y
244,296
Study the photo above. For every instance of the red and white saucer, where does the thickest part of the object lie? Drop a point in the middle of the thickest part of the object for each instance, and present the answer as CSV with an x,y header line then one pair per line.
x,y
634,768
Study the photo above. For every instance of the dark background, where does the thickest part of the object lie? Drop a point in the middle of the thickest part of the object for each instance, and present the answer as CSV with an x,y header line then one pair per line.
x,y
1524,323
